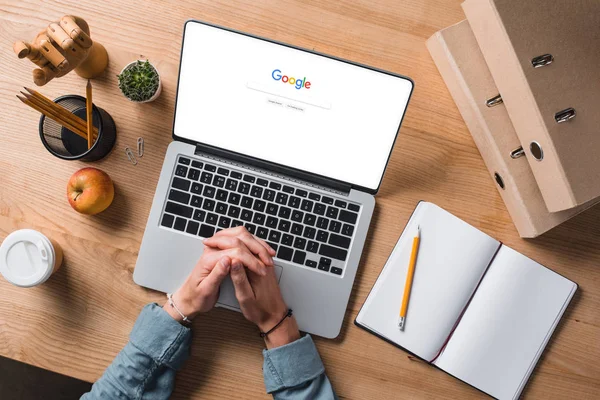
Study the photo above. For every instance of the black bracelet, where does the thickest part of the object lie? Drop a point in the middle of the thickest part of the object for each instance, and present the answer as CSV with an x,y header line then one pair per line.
x,y
288,314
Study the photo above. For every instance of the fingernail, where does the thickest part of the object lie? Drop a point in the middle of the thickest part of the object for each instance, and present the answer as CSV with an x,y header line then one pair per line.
x,y
236,267
226,262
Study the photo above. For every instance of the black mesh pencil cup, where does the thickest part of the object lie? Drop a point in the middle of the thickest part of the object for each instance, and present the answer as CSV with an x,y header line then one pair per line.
x,y
68,145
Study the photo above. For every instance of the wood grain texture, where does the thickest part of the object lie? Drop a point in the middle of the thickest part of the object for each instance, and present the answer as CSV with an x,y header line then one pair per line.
x,y
78,321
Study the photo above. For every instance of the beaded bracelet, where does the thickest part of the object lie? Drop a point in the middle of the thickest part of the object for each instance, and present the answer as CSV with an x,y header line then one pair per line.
x,y
172,304
287,315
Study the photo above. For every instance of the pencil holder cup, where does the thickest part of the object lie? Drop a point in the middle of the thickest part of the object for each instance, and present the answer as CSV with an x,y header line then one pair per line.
x,y
68,145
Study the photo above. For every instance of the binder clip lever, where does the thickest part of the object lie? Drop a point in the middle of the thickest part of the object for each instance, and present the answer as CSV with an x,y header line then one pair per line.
x,y
518,152
494,101
541,61
564,115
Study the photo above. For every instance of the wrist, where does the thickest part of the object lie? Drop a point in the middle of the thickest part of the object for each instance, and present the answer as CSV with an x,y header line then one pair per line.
x,y
172,312
272,318
285,333
180,306
185,304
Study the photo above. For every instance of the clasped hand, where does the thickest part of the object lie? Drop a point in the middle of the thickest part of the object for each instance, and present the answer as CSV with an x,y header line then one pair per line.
x,y
249,261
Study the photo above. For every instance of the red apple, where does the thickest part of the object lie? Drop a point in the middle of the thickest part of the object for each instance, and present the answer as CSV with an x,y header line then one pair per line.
x,y
90,191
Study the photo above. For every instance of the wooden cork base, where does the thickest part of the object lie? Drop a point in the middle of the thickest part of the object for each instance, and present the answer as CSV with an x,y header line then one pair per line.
x,y
95,63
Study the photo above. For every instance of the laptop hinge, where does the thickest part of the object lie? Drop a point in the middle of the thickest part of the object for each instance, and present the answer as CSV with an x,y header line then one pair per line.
x,y
274,169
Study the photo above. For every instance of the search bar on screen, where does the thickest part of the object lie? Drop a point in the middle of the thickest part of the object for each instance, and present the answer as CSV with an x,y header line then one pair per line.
x,y
289,95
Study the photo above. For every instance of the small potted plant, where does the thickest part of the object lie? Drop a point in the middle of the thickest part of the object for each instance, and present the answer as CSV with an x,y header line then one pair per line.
x,y
140,82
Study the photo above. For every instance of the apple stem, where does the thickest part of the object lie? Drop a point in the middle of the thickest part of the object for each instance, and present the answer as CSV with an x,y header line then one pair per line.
x,y
76,197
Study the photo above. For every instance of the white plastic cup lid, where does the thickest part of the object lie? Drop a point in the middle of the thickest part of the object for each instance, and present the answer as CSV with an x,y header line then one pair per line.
x,y
26,258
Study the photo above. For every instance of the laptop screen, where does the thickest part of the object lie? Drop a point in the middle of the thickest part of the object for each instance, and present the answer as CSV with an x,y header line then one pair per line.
x,y
288,106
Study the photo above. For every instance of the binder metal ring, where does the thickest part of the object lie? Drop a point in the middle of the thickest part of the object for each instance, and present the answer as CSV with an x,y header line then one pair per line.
x,y
541,61
564,115
494,101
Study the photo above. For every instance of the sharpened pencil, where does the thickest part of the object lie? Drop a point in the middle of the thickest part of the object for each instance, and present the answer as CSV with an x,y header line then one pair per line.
x,y
88,113
36,97
409,279
53,116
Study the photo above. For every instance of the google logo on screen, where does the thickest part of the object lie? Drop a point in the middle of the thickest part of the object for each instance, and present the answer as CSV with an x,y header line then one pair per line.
x,y
298,83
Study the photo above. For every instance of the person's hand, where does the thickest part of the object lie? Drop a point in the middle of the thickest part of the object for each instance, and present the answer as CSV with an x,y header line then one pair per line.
x,y
200,291
259,295
261,302
236,239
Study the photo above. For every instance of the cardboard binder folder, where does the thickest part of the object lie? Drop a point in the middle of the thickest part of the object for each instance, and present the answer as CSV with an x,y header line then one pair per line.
x,y
544,58
463,68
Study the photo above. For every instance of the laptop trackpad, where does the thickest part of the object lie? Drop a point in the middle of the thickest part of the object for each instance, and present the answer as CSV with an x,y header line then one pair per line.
x,y
227,297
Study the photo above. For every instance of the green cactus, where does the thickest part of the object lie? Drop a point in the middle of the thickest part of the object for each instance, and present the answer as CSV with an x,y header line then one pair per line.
x,y
139,81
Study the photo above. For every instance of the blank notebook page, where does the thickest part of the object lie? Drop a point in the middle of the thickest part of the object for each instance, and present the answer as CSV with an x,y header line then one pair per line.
x,y
507,325
452,257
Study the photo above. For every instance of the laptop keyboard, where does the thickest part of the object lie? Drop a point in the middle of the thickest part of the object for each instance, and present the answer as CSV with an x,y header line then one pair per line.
x,y
304,227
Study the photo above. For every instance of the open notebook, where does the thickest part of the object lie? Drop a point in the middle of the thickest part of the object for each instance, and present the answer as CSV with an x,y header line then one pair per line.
x,y
478,310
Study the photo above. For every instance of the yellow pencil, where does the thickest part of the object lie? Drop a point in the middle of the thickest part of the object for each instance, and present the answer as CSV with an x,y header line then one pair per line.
x,y
88,112
409,279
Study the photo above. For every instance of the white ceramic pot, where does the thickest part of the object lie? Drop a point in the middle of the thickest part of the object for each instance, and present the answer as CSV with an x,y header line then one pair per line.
x,y
155,96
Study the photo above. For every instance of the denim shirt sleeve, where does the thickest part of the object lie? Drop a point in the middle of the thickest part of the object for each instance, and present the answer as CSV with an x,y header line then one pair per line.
x,y
295,371
146,367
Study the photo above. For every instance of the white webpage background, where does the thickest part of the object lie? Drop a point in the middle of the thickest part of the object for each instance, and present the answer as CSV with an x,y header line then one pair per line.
x,y
345,132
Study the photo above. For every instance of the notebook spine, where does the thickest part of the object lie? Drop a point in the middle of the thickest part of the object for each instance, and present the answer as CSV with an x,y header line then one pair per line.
x,y
462,313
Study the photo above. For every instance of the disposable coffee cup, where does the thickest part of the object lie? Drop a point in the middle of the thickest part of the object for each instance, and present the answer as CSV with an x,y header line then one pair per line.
x,y
28,258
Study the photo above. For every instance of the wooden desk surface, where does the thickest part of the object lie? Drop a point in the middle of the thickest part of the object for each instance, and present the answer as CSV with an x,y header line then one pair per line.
x,y
77,322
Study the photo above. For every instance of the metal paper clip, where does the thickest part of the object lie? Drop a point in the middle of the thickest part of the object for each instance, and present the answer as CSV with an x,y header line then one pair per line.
x,y
130,156
140,147
494,101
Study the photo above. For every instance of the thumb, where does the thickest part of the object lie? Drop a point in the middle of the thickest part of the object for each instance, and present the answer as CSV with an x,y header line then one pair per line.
x,y
243,289
213,281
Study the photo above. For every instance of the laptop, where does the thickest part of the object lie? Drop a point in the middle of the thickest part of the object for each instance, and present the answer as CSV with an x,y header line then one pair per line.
x,y
291,144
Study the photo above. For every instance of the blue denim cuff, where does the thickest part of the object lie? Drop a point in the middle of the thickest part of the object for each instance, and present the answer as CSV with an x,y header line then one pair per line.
x,y
158,335
291,365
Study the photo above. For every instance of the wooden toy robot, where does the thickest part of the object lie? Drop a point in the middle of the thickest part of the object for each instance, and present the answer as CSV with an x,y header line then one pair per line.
x,y
63,46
